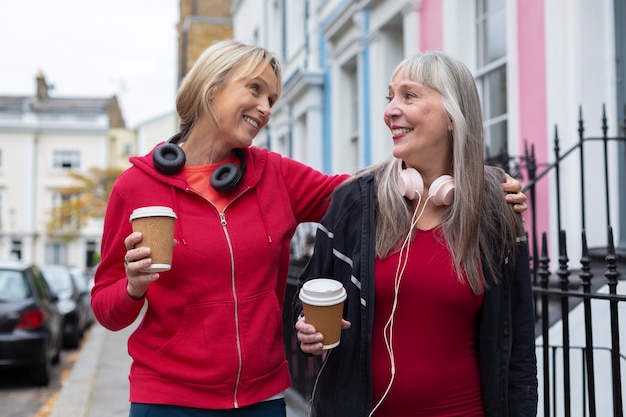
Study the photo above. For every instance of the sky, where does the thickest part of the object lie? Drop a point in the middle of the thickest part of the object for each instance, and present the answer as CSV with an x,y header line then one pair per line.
x,y
93,48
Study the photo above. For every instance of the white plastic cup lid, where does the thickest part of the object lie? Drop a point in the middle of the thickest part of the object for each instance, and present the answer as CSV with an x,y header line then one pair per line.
x,y
152,211
322,292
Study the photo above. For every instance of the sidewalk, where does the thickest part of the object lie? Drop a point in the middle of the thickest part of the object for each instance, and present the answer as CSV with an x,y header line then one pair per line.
x,y
98,383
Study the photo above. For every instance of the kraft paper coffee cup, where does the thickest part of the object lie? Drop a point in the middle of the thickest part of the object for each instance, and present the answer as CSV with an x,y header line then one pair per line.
x,y
322,301
156,224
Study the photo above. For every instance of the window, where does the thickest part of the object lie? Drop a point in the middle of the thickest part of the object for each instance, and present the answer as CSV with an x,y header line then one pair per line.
x,y
13,287
90,255
295,27
353,96
491,74
56,253
59,199
40,284
66,160
127,149
16,249
350,132
64,211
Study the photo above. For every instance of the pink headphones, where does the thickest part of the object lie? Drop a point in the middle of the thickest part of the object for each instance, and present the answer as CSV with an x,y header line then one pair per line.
x,y
411,185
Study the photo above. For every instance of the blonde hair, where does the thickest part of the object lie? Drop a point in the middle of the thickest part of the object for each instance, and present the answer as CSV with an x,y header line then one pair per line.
x,y
212,70
479,221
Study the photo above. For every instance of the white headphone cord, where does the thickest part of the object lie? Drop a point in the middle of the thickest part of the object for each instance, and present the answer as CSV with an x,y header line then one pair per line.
x,y
388,328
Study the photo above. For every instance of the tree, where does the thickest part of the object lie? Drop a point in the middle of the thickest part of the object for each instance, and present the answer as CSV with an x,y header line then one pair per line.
x,y
85,199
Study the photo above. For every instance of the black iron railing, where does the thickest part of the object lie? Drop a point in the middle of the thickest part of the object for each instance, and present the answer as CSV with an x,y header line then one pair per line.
x,y
556,299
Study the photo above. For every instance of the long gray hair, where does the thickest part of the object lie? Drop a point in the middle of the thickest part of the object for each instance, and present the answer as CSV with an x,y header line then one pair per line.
x,y
479,221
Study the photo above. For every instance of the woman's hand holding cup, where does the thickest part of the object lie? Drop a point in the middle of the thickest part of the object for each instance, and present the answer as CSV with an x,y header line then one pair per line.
x,y
135,261
312,341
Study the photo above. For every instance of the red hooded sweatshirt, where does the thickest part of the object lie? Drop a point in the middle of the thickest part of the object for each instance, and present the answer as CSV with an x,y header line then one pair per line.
x,y
212,334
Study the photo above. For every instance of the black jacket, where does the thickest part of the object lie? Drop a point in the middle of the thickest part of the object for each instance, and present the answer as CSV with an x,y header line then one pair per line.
x,y
344,250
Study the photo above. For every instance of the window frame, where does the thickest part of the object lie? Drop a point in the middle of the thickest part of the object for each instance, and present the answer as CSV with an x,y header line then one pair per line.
x,y
484,70
66,160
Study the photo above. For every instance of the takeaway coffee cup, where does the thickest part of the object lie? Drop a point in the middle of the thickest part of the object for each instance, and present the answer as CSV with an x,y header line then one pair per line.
x,y
156,223
322,301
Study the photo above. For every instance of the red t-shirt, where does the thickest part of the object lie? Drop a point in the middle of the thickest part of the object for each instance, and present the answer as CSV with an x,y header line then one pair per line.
x,y
199,178
434,336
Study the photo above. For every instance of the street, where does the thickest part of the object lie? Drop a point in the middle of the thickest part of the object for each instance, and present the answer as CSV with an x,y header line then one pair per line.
x,y
20,398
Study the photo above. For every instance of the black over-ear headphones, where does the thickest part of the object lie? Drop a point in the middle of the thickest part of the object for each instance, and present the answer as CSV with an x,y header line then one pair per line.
x,y
169,159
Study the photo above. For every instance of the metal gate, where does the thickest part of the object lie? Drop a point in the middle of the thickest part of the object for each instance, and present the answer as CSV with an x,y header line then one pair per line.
x,y
578,346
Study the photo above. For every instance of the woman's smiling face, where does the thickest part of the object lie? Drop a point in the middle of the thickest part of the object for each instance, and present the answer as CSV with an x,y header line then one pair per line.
x,y
243,106
418,123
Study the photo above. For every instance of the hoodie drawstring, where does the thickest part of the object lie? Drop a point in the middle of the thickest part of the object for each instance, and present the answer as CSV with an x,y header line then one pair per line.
x,y
178,225
263,219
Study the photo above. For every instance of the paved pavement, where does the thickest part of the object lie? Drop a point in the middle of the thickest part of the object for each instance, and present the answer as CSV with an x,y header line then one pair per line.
x,y
98,384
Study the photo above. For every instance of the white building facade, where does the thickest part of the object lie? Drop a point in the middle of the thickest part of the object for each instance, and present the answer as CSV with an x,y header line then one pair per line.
x,y
42,139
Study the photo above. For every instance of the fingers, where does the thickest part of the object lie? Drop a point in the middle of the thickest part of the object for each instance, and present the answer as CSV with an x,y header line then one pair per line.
x,y
514,194
132,239
135,260
518,200
511,185
520,208
310,339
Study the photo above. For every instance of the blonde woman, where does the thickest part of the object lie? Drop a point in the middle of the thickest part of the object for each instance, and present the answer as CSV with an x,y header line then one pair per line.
x,y
211,340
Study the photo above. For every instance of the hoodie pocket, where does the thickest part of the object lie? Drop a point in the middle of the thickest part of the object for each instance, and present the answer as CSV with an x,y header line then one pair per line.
x,y
204,349
261,331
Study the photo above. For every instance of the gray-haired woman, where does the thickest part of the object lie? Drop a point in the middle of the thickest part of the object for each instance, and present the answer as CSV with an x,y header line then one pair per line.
x,y
439,318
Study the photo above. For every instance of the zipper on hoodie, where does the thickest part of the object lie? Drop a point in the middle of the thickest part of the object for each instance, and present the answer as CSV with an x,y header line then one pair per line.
x,y
234,291
236,303
224,224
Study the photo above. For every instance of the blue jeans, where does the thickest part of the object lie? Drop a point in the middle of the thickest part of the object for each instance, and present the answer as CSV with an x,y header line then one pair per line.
x,y
273,408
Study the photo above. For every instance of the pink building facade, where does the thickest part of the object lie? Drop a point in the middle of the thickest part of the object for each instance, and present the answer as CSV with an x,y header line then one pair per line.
x,y
562,59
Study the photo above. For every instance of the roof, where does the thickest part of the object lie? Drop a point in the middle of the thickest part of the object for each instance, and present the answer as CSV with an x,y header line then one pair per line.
x,y
53,105
71,105
14,265
42,103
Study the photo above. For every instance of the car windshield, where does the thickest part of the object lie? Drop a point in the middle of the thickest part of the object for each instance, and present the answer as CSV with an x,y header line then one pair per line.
x,y
79,280
13,286
58,279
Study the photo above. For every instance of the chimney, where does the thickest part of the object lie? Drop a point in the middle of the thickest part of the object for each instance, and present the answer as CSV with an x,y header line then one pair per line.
x,y
42,86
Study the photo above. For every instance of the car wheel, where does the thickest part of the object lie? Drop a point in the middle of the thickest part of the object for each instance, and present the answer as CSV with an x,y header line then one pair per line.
x,y
41,375
73,338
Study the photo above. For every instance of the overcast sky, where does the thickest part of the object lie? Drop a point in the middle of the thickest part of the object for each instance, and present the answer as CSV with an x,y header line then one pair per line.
x,y
93,48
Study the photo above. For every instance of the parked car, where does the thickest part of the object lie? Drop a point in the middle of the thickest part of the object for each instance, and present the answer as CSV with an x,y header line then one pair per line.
x,y
82,283
31,327
70,302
